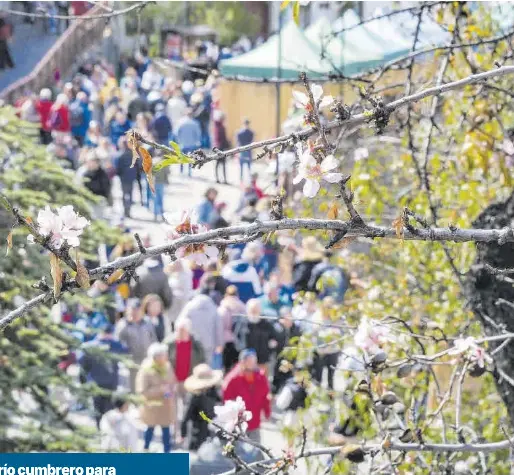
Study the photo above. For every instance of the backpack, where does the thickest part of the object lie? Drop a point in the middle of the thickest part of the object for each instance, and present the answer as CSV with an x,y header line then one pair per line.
x,y
76,115
240,331
332,282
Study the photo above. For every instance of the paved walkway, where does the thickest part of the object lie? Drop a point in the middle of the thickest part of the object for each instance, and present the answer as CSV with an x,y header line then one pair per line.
x,y
29,44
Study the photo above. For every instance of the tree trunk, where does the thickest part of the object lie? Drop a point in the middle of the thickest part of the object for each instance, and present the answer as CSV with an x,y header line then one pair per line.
x,y
486,290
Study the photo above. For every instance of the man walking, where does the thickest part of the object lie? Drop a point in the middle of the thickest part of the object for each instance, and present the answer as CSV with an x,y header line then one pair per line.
x,y
188,135
245,137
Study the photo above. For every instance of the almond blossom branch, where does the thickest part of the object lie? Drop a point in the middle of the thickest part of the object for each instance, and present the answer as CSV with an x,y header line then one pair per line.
x,y
249,231
200,157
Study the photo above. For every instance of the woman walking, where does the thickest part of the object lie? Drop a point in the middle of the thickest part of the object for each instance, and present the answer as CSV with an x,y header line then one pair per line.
x,y
156,383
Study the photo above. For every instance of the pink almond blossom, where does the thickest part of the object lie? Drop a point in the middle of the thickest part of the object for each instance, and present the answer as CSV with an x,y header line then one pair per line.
x,y
371,335
313,172
233,416
303,101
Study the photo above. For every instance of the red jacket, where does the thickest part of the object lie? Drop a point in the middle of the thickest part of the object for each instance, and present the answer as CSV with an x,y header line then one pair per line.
x,y
62,122
43,109
255,395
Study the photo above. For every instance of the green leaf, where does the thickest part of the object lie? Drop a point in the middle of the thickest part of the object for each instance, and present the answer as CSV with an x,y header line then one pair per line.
x,y
176,147
284,4
5,203
171,160
296,13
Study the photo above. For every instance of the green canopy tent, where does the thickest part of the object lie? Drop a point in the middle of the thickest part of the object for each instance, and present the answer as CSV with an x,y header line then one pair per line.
x,y
347,52
297,54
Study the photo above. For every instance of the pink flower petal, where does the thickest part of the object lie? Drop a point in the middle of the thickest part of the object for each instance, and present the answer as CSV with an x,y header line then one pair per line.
x,y
329,163
298,178
317,92
326,101
301,98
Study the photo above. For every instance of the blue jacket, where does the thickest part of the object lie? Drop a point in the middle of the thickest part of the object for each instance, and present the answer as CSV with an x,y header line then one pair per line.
x,y
161,127
102,370
244,276
117,130
206,212
189,135
80,130
245,137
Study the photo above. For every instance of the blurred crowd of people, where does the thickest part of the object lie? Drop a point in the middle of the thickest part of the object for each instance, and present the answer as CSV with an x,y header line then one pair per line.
x,y
85,120
184,337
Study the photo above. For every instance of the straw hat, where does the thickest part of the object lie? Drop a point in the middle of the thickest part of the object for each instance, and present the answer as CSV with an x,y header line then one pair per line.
x,y
311,249
203,377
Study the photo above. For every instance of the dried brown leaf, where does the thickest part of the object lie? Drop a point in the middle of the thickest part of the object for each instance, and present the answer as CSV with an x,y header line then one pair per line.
x,y
398,227
82,277
115,276
333,211
343,243
147,166
133,144
56,271
29,220
9,243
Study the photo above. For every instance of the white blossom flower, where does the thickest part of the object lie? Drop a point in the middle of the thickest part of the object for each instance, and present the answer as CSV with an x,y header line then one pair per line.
x,y
474,352
312,172
233,415
371,335
461,345
65,226
360,154
508,147
302,99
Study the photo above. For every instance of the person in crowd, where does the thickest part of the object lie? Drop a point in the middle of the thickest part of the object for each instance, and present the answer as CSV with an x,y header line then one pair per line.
x,y
96,178
161,125
198,272
206,325
188,135
255,187
119,126
181,283
160,181
218,221
260,334
220,141
251,384
127,174
271,302
59,120
136,103
102,370
151,79
202,113
156,383
153,280
188,87
249,213
44,107
6,32
206,210
243,275
105,152
185,353
285,330
80,116
328,279
230,307
329,336
292,397
119,430
129,77
310,254
213,281
152,309
248,194
137,334
244,137
93,134
176,107
202,385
